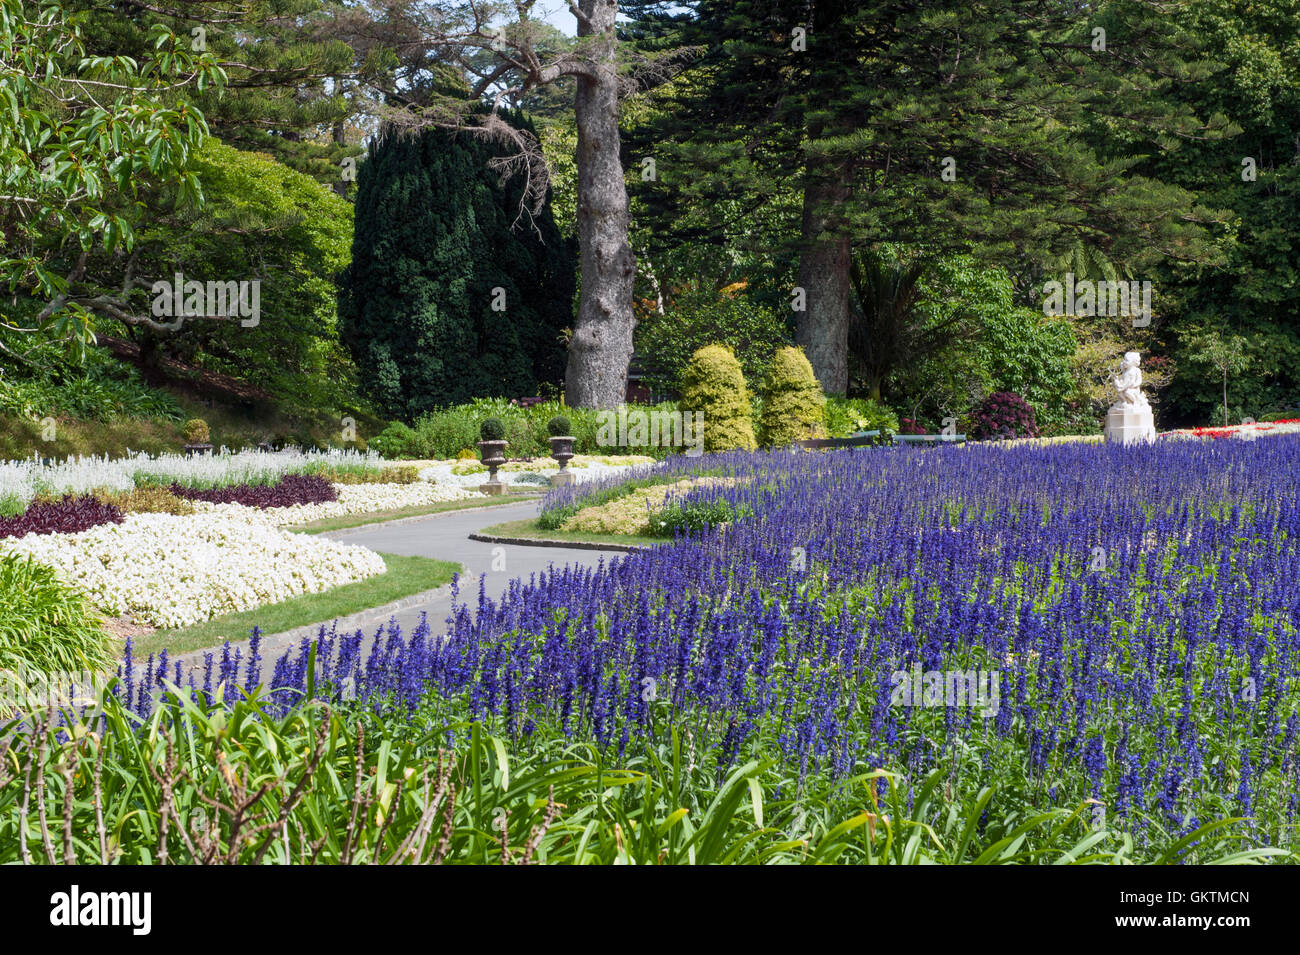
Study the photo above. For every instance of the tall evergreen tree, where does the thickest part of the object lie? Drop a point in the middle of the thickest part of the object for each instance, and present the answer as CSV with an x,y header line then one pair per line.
x,y
290,69
943,123
451,293
1256,292
505,54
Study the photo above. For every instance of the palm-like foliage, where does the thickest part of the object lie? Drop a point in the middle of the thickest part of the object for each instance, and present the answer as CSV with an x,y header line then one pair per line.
x,y
893,319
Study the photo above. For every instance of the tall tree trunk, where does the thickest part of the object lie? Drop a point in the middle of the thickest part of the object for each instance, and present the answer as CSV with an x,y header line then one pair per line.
x,y
824,265
823,327
601,347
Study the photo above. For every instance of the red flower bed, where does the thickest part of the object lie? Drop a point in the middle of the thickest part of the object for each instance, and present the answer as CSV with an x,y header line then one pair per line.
x,y
289,490
66,516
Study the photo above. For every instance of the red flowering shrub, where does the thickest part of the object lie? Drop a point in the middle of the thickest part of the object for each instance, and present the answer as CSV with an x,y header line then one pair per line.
x,y
1003,415
1158,367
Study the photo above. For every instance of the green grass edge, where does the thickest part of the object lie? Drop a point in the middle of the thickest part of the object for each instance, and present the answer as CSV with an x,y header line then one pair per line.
x,y
405,576
383,517
530,528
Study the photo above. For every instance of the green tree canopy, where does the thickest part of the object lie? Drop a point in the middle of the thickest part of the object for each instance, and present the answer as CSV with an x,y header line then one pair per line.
x,y
1001,129
260,221
86,138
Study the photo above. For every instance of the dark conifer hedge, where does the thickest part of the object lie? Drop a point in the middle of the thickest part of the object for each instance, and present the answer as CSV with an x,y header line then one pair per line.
x,y
437,232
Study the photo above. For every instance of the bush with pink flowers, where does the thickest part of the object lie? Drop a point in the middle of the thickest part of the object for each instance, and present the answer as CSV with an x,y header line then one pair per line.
x,y
1004,415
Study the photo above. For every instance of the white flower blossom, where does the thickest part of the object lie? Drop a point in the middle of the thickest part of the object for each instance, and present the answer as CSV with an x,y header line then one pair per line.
x,y
353,499
23,480
173,571
582,467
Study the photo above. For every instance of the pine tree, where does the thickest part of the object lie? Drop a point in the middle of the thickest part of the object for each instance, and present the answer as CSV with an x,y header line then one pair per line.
x,y
289,68
954,125
505,55
451,295
1254,292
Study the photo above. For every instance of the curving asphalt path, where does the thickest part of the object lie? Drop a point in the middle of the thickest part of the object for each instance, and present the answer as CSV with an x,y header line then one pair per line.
x,y
443,536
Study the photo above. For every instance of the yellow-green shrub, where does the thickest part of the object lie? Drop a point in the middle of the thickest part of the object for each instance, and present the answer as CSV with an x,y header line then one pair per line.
x,y
714,385
146,499
196,431
390,474
794,407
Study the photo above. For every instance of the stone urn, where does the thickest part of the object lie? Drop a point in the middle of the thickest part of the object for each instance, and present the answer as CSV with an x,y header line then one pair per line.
x,y
562,451
197,437
493,454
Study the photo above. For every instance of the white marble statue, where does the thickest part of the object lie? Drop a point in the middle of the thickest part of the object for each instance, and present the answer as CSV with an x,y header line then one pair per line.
x,y
1129,384
1130,420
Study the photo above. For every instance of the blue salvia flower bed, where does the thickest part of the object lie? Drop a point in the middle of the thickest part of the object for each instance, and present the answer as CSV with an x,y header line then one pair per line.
x,y
1138,606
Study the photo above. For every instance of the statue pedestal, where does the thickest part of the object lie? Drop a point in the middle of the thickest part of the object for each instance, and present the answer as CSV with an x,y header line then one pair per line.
x,y
1130,425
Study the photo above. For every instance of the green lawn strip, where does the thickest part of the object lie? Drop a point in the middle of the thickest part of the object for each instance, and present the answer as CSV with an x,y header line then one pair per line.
x,y
405,576
379,517
530,528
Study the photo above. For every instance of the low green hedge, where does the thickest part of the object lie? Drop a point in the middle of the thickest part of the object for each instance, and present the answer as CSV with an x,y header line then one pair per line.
x,y
844,416
445,433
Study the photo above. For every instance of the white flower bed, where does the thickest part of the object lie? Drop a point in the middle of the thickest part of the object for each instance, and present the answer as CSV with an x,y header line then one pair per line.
x,y
584,468
241,467
353,499
175,571
25,479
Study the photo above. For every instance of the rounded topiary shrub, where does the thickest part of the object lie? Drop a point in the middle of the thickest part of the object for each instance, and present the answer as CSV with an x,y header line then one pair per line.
x,y
714,386
1004,415
559,427
492,430
196,431
794,407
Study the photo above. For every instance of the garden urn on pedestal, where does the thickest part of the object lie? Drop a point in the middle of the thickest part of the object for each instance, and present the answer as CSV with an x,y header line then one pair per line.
x,y
1129,420
561,448
196,437
492,449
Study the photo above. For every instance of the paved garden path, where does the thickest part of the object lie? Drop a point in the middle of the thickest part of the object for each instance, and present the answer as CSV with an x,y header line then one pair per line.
x,y
446,537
